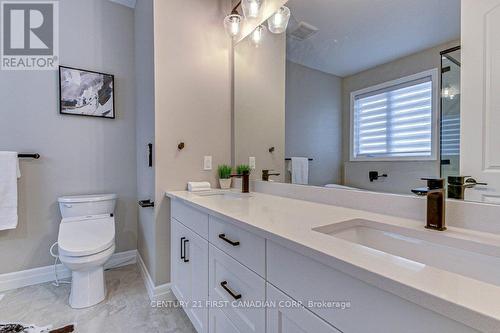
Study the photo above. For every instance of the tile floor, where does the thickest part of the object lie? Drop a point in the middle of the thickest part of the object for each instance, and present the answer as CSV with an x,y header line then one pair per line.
x,y
126,309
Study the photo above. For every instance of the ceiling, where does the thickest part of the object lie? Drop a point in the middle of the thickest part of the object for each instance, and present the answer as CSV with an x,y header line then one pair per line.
x,y
356,35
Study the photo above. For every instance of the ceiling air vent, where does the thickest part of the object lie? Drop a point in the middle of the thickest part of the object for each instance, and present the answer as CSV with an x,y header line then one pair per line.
x,y
303,31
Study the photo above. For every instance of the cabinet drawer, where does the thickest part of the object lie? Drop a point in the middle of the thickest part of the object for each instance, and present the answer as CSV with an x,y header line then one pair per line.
x,y
219,323
190,217
286,316
247,248
307,280
235,285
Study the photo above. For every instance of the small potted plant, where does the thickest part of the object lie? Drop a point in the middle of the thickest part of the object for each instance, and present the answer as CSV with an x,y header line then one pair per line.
x,y
224,172
243,169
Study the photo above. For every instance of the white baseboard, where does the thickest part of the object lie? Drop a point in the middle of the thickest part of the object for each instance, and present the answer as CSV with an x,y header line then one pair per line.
x,y
44,274
156,293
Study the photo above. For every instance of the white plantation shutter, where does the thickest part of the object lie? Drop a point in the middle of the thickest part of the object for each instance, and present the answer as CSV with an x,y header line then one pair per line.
x,y
395,121
450,136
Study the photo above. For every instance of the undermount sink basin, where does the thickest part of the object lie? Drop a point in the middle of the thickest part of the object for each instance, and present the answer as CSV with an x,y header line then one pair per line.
x,y
463,255
230,195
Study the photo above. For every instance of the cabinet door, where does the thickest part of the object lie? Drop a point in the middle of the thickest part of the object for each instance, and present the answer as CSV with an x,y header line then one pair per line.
x,y
189,257
197,254
180,269
285,315
480,100
219,323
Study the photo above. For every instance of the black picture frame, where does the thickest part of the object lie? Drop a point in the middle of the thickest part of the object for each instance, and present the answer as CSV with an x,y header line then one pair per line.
x,y
65,105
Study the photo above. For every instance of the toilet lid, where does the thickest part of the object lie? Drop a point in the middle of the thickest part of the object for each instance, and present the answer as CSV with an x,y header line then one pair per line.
x,y
86,236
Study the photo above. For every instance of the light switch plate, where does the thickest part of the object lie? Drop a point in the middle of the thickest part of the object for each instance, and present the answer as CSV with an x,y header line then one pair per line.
x,y
251,163
207,163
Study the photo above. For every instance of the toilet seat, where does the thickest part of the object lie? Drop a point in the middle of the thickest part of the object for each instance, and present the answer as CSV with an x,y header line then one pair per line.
x,y
86,236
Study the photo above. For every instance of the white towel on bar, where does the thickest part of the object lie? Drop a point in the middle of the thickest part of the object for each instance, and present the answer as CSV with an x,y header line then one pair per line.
x,y
199,186
9,173
300,170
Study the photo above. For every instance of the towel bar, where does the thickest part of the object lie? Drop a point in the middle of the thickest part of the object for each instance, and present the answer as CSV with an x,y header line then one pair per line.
x,y
35,156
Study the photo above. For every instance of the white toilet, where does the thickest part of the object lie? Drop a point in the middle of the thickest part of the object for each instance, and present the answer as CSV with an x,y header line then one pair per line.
x,y
86,241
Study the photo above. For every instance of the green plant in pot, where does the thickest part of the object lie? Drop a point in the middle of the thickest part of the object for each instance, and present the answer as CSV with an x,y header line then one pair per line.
x,y
243,169
224,172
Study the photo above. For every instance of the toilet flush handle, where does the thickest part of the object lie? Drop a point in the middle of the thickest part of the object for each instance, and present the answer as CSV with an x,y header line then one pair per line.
x,y
68,205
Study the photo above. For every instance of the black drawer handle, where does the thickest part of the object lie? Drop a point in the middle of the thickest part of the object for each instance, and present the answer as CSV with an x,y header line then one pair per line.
x,y
223,237
185,258
223,284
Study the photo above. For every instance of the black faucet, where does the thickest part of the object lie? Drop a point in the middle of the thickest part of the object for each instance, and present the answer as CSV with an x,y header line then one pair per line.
x,y
458,184
245,183
267,173
436,203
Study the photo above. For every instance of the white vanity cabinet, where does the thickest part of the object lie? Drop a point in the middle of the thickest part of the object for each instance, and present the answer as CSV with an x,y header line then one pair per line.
x,y
247,283
189,265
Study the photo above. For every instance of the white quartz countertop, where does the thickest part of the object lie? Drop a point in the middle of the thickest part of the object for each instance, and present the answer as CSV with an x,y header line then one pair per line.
x,y
290,222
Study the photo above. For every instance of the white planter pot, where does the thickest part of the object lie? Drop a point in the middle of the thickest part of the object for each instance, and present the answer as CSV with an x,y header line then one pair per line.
x,y
225,184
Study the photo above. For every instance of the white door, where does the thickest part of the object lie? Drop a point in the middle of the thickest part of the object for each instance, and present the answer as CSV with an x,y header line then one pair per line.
x,y
480,100
189,258
286,316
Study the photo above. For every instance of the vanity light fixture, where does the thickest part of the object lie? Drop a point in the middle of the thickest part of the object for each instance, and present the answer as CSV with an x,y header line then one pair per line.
x,y
232,23
258,35
279,21
251,8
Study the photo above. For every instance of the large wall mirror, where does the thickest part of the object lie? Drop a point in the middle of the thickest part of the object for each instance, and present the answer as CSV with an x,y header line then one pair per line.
x,y
356,96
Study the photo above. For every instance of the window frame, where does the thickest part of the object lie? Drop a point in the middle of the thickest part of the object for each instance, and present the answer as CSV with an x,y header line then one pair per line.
x,y
433,74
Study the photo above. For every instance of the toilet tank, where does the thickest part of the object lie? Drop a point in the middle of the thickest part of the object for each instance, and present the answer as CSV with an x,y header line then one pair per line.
x,y
84,205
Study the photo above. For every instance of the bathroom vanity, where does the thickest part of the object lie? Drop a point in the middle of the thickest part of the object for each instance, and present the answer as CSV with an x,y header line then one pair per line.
x,y
263,263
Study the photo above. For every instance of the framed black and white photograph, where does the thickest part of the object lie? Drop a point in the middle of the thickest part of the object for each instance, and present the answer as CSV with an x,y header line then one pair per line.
x,y
86,93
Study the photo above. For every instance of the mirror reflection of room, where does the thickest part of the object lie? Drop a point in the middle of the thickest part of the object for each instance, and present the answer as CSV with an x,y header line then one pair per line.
x,y
352,96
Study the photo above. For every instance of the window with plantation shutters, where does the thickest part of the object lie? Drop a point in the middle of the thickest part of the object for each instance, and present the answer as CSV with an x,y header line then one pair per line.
x,y
395,120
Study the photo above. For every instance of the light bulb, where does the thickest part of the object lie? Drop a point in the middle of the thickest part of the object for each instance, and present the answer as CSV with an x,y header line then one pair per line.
x,y
232,23
279,21
251,8
446,92
258,35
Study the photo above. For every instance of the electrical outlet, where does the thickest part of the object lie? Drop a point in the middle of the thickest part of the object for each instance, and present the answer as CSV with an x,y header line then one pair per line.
x,y
207,163
251,163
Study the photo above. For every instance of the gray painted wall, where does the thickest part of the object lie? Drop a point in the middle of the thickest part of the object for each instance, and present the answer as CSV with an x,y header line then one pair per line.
x,y
313,120
403,176
79,154
145,118
259,104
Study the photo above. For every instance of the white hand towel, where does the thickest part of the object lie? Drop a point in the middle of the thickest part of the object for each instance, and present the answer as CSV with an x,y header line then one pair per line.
x,y
199,186
300,170
9,173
